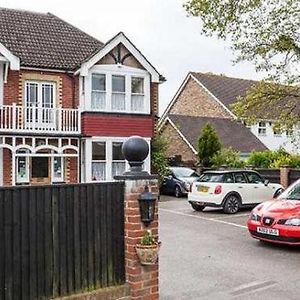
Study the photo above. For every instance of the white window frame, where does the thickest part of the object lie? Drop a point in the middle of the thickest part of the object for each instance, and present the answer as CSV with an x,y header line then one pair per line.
x,y
109,160
262,128
98,91
99,160
62,177
116,161
118,70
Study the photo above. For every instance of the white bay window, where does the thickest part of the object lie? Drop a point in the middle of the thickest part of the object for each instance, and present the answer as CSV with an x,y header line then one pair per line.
x,y
117,89
99,161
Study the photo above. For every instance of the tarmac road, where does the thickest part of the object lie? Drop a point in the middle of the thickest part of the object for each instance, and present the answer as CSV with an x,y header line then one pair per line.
x,y
210,255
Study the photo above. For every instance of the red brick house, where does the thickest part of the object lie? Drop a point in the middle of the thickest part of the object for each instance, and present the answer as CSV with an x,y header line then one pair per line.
x,y
69,101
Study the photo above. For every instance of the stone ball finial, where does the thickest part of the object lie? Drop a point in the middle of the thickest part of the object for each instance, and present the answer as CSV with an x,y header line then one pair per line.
x,y
135,151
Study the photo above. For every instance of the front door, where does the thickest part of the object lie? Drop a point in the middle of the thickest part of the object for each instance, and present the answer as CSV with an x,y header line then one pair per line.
x,y
40,170
39,105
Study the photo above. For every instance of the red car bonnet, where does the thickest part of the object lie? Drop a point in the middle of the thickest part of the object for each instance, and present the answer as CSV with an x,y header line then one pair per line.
x,y
280,208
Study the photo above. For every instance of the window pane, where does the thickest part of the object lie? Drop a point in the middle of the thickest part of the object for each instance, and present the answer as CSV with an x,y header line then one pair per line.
x,y
137,85
137,102
239,178
117,151
118,84
254,178
118,101
47,95
98,171
98,100
98,82
99,151
118,168
31,93
22,174
57,169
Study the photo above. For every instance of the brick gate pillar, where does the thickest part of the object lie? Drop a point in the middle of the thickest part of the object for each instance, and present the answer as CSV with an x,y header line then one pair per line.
x,y
284,176
143,280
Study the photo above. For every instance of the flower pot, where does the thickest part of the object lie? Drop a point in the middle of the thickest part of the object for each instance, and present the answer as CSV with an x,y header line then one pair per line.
x,y
147,254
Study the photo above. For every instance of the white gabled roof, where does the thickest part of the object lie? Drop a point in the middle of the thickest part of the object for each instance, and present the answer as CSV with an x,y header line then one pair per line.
x,y
111,44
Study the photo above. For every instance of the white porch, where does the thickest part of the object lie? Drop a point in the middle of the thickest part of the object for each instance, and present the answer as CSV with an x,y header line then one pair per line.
x,y
22,119
38,160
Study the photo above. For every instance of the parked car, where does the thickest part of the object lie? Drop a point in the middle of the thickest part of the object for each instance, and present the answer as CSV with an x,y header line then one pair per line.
x,y
179,181
231,189
278,220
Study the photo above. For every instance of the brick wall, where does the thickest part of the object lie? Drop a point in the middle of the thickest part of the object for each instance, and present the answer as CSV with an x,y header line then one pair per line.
x,y
143,280
176,145
67,87
195,101
7,173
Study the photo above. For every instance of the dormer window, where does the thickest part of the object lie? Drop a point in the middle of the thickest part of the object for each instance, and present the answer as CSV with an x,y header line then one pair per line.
x,y
262,128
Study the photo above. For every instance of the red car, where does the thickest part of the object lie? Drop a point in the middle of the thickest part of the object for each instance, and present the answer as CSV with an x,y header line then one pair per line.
x,y
278,220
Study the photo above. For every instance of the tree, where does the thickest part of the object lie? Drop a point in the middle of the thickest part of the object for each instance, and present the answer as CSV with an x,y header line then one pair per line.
x,y
159,156
266,33
208,145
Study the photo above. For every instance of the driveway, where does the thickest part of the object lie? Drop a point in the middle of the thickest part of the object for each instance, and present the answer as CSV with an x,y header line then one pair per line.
x,y
210,255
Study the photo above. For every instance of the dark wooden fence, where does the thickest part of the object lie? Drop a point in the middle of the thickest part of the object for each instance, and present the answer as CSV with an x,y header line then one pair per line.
x,y
273,175
59,240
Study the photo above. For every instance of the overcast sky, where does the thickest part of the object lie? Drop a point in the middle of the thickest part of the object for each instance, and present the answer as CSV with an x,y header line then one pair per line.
x,y
159,28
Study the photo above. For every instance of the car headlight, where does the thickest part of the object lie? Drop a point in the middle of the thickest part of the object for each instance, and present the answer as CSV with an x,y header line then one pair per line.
x,y
187,186
292,222
255,217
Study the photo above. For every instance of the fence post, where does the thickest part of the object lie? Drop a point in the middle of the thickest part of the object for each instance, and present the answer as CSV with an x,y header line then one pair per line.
x,y
284,176
143,280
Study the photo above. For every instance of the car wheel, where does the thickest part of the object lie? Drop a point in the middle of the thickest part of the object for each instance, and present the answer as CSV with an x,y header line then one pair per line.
x,y
177,192
197,207
232,204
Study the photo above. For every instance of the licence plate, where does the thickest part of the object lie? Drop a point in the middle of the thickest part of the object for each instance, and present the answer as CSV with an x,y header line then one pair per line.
x,y
202,188
269,231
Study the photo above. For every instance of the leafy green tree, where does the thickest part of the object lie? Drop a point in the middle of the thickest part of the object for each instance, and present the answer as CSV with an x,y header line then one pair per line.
x,y
227,157
208,145
266,33
159,159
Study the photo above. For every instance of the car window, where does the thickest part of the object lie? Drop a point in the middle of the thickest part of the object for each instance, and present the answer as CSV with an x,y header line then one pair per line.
x,y
210,177
254,178
239,178
291,193
184,172
228,178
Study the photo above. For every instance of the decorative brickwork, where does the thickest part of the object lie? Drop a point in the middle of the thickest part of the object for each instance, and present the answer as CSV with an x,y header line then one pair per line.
x,y
143,280
176,145
195,101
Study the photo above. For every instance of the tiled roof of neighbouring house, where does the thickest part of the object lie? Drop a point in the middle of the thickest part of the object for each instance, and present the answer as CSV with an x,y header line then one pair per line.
x,y
44,40
228,89
231,133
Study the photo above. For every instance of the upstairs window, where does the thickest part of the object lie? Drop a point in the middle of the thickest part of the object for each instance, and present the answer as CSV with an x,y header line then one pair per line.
x,y
118,93
137,94
98,91
262,128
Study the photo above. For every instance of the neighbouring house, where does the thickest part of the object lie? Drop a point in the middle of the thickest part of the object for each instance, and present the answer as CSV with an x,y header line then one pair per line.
x,y
69,101
207,98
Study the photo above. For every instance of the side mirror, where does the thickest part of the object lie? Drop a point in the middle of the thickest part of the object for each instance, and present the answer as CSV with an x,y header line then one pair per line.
x,y
266,182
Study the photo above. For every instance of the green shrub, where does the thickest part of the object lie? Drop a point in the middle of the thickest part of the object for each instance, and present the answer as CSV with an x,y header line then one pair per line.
x,y
208,145
229,158
292,161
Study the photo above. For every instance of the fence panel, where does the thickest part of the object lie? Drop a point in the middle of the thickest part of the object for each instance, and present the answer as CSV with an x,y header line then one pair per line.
x,y
60,240
273,175
294,175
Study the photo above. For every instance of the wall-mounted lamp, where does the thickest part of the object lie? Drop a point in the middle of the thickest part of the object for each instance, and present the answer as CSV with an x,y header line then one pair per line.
x,y
147,206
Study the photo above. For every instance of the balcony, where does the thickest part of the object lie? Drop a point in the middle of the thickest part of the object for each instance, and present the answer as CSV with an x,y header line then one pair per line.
x,y
22,119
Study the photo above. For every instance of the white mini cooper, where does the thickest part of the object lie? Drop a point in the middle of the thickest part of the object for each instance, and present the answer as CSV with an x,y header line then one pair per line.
x,y
231,189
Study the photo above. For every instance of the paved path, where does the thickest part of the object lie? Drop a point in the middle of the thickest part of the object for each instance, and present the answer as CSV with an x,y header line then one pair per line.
x,y
210,255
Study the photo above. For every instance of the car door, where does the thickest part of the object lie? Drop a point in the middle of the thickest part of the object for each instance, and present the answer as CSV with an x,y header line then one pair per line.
x,y
168,184
241,187
260,192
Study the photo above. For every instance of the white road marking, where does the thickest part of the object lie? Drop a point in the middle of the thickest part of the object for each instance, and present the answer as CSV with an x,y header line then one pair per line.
x,y
252,287
233,216
202,218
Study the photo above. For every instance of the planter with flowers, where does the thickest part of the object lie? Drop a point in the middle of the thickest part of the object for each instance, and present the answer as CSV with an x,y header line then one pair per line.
x,y
148,249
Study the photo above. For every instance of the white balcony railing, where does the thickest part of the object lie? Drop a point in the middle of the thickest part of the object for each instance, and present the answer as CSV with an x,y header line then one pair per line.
x,y
34,119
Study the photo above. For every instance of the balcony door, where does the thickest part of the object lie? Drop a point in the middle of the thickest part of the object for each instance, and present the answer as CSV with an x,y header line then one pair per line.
x,y
40,105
